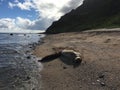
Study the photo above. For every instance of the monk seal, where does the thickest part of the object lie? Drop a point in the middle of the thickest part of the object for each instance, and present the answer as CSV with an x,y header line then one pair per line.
x,y
69,57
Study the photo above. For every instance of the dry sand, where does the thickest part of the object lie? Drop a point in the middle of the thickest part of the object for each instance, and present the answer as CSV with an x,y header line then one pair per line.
x,y
99,70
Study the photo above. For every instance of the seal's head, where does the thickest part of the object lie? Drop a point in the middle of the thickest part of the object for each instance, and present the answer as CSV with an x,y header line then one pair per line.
x,y
78,60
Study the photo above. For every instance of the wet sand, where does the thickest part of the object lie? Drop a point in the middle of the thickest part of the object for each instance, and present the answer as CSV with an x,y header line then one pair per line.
x,y
99,70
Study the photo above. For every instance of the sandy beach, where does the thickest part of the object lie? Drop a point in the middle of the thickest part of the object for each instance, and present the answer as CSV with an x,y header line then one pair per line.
x,y
100,67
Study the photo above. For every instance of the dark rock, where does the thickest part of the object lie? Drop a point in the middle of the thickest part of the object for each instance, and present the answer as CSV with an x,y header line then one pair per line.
x,y
101,76
107,41
30,47
11,34
28,78
28,57
64,67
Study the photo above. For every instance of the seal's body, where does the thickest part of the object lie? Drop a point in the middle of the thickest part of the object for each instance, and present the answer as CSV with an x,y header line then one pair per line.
x,y
71,55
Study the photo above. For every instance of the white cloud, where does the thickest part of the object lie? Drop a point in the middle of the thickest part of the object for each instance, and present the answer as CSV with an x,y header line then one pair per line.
x,y
48,11
23,22
51,9
17,25
11,5
13,24
37,24
27,5
7,23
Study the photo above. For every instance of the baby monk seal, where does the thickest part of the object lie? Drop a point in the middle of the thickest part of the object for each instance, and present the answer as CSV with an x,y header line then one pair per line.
x,y
69,57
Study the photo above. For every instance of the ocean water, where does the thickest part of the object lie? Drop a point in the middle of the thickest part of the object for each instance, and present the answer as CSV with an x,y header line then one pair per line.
x,y
19,69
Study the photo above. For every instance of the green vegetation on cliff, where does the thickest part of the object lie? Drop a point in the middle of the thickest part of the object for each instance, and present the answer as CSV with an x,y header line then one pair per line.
x,y
92,14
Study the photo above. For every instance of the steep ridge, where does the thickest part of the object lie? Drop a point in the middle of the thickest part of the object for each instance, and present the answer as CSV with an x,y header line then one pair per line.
x,y
91,14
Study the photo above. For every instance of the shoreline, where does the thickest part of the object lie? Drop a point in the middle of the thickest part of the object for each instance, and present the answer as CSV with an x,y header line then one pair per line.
x,y
19,67
100,66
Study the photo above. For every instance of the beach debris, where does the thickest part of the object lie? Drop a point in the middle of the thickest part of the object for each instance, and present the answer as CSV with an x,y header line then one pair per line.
x,y
102,84
101,79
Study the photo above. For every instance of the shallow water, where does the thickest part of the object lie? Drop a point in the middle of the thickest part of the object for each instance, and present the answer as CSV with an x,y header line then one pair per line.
x,y
19,69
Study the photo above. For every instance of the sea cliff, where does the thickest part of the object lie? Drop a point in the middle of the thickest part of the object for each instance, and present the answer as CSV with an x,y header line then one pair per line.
x,y
92,14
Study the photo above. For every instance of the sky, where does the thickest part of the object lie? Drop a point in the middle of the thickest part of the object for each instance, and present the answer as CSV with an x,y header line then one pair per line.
x,y
20,15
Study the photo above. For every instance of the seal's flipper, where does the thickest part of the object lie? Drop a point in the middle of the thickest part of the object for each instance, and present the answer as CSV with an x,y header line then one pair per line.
x,y
50,57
